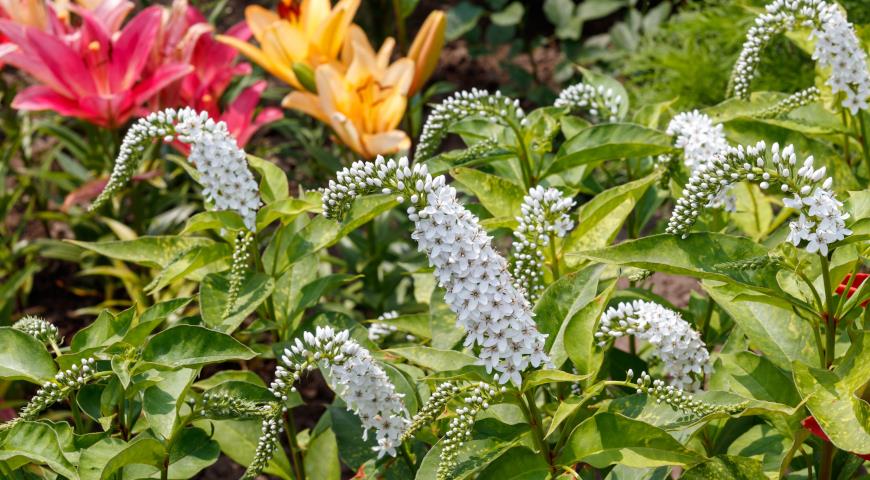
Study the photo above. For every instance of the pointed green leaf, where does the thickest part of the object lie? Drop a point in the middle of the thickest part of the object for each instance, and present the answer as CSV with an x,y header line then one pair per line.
x,y
500,196
191,345
23,357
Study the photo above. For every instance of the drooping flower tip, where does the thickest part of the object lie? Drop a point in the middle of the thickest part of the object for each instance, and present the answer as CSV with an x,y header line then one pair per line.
x,y
680,347
598,103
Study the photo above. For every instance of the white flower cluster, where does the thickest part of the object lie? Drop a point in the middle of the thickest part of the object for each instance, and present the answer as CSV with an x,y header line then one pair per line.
x,y
598,102
65,382
544,217
698,136
479,288
358,379
821,220
792,102
837,47
459,429
39,329
679,347
461,105
223,167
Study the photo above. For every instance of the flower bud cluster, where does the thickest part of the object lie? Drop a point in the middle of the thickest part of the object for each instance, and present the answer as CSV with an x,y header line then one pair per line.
x,y
223,405
65,382
222,165
544,217
358,379
432,409
821,220
270,438
752,263
459,429
599,103
837,47
790,103
680,400
241,257
698,136
493,107
679,347
39,329
479,288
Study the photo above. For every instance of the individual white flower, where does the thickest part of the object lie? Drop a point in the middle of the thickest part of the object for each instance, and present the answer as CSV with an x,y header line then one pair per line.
x,y
493,107
357,378
544,215
679,347
598,102
837,47
478,287
227,182
806,189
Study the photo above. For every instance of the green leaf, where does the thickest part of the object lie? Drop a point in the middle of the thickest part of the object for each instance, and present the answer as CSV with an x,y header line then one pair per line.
x,y
755,376
461,19
255,289
834,400
697,255
312,292
474,456
780,334
161,310
581,344
94,458
216,220
608,438
753,212
38,443
543,377
765,443
151,251
192,264
273,180
500,196
434,358
559,302
511,15
518,463
609,142
321,458
600,219
285,210
726,467
191,345
24,357
161,402
146,451
107,329
191,452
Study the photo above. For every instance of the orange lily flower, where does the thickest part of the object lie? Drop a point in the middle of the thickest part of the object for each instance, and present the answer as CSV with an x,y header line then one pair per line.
x,y
426,49
364,104
307,32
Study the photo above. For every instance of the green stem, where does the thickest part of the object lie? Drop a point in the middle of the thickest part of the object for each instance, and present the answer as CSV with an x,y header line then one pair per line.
x,y
534,418
845,136
554,254
295,454
525,158
828,449
54,347
864,142
164,471
401,34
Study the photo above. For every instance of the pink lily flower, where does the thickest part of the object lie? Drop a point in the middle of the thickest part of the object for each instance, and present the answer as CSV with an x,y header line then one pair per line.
x,y
92,75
